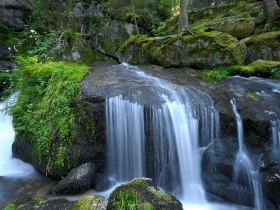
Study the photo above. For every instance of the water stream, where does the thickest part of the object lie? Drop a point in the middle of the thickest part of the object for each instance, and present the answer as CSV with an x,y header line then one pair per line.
x,y
275,136
10,167
244,171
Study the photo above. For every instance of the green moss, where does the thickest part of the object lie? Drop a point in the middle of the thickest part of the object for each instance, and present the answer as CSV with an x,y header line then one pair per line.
x,y
89,203
128,200
44,107
10,206
259,68
40,200
262,38
252,95
161,195
148,206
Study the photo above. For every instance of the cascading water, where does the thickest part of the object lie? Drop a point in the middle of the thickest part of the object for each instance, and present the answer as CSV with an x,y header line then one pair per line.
x,y
125,123
10,167
275,136
244,172
173,128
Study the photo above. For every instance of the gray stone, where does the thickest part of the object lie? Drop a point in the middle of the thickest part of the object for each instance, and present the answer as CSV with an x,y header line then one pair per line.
x,y
79,180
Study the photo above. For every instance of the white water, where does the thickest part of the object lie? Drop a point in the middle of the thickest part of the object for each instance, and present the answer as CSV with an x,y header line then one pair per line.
x,y
174,133
275,136
244,171
125,123
9,166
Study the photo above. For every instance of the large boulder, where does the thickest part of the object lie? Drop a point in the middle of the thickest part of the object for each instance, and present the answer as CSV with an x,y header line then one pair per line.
x,y
239,26
79,180
89,145
13,13
202,50
141,194
264,46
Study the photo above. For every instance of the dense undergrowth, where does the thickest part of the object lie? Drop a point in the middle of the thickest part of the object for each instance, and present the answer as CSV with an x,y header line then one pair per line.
x,y
46,91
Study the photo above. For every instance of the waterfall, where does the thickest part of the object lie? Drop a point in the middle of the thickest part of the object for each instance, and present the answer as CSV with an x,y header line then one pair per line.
x,y
162,141
244,172
275,136
125,123
9,166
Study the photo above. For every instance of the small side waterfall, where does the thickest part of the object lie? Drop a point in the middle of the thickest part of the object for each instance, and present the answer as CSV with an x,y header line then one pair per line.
x,y
161,141
10,167
244,172
275,136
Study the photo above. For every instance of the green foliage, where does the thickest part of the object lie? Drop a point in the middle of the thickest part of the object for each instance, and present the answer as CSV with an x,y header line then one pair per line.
x,y
148,206
259,68
10,206
275,73
215,75
128,201
44,106
60,157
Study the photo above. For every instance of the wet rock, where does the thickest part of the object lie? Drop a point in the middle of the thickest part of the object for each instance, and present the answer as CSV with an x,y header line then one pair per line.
x,y
140,193
269,169
39,203
204,50
90,203
268,51
102,182
79,180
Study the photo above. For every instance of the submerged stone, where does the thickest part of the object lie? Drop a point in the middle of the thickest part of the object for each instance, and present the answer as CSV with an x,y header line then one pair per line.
x,y
140,193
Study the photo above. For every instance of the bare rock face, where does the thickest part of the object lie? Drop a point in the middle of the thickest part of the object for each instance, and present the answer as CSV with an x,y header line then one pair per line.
x,y
13,13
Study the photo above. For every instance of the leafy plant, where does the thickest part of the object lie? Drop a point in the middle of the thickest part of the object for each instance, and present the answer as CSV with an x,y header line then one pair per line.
x,y
128,201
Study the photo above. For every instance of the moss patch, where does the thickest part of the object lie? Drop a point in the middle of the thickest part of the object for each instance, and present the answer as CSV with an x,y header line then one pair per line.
x,y
90,203
259,68
10,206
44,107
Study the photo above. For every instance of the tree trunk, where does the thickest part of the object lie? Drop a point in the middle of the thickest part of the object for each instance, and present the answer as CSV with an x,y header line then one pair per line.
x,y
271,10
183,18
134,17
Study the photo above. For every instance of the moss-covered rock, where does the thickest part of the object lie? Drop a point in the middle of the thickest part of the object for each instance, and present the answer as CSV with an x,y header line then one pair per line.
x,y
140,194
202,50
239,26
32,203
265,46
110,36
90,203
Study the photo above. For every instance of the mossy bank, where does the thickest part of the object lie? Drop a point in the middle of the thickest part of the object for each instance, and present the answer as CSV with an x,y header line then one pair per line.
x,y
48,117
